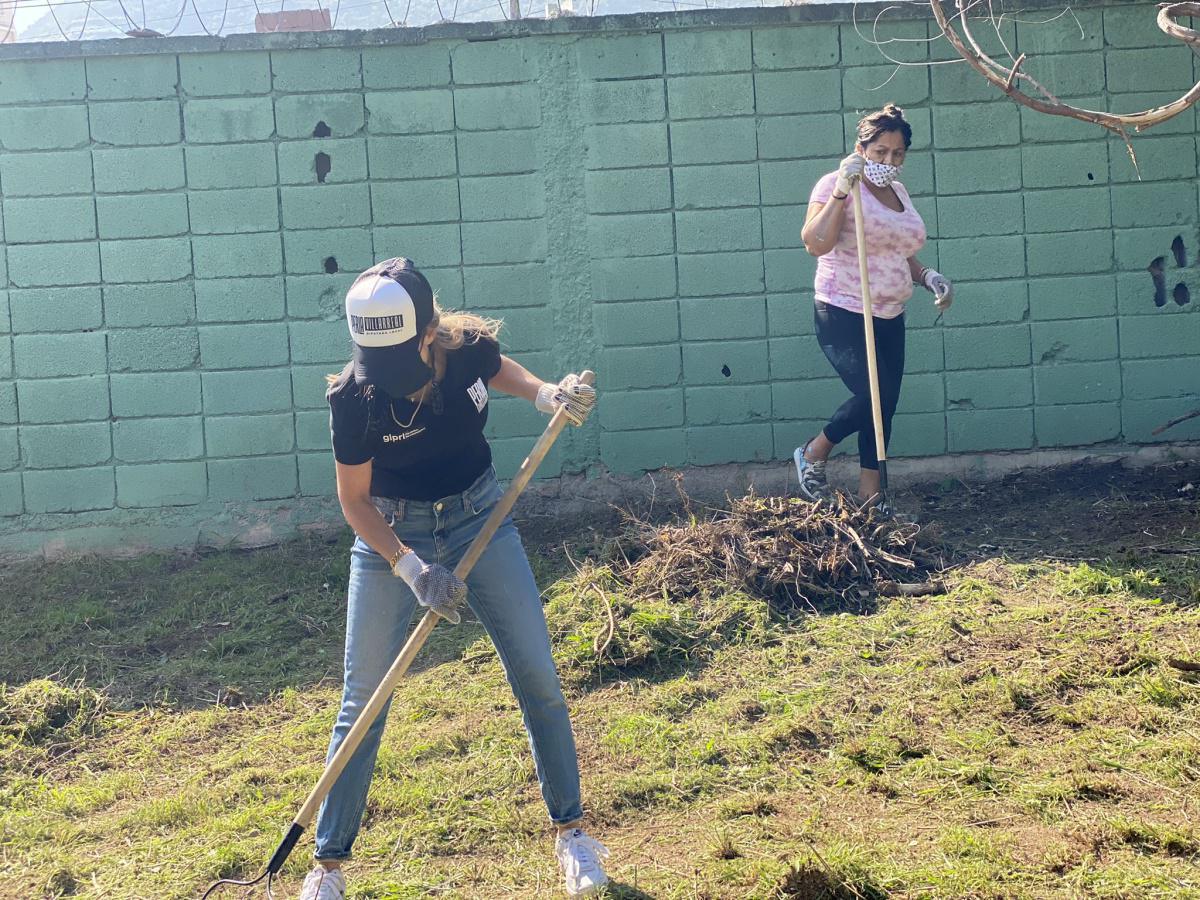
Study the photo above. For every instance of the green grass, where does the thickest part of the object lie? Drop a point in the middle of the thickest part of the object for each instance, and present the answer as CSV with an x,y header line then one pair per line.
x,y
1022,735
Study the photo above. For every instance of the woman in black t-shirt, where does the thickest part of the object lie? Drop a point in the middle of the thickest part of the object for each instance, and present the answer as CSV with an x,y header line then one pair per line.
x,y
416,483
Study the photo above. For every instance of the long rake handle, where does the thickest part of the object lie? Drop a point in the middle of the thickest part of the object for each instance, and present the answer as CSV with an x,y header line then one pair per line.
x,y
424,628
869,329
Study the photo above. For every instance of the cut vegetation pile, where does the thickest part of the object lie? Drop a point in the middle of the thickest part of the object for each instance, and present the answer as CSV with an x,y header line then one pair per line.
x,y
796,555
674,592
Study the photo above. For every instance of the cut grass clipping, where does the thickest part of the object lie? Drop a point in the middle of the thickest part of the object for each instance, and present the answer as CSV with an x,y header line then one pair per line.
x,y
43,721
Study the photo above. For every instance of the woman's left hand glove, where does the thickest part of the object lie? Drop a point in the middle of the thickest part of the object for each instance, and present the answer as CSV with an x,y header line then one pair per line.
x,y
941,288
570,394
434,586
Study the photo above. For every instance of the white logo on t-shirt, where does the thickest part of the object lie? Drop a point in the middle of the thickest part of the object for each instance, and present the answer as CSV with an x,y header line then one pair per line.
x,y
403,436
478,394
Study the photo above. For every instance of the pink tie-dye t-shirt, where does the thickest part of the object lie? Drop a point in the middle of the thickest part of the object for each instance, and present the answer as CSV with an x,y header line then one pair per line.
x,y
892,237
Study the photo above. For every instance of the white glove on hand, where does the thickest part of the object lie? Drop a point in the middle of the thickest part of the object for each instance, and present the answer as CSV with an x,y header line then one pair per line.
x,y
571,394
435,587
941,288
849,169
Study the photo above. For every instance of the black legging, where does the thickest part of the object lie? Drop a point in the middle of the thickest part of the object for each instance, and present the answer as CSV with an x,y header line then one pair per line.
x,y
840,333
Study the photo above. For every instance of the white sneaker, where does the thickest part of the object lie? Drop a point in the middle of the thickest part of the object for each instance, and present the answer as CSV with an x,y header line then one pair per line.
x,y
579,858
324,884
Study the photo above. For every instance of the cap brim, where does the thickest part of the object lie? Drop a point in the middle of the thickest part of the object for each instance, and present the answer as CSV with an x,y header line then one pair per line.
x,y
397,370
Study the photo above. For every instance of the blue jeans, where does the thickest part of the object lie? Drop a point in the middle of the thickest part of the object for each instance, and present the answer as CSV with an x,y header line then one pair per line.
x,y
504,597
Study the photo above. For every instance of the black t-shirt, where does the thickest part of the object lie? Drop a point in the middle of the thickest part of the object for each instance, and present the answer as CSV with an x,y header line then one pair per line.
x,y
428,455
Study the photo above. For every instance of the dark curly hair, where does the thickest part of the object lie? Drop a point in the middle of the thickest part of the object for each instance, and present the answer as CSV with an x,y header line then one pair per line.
x,y
890,118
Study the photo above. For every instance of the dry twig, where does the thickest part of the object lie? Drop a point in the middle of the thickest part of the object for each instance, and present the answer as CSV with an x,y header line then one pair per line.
x,y
1171,424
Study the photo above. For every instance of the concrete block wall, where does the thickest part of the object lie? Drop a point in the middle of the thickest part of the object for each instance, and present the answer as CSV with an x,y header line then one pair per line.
x,y
181,219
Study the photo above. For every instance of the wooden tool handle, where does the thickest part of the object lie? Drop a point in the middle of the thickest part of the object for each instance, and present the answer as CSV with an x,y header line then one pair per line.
x,y
520,480
869,329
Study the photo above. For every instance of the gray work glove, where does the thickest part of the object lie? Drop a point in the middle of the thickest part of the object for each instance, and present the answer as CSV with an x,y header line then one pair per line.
x,y
850,170
571,394
941,288
435,587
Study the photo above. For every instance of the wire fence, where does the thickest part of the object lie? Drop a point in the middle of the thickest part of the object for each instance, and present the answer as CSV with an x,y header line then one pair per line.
x,y
75,20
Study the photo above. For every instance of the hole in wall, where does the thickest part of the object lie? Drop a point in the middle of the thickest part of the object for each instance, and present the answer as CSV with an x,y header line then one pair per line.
x,y
1091,177
323,165
1160,282
725,370
322,130
1179,251
1181,294
331,265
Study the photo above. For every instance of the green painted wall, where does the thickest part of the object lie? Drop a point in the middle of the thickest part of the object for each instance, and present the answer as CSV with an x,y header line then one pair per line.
x,y
625,192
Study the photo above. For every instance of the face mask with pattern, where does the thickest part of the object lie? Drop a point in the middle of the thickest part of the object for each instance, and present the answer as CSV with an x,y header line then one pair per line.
x,y
880,174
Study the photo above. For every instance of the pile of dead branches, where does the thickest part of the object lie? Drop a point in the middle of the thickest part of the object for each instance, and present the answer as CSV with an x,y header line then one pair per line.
x,y
797,555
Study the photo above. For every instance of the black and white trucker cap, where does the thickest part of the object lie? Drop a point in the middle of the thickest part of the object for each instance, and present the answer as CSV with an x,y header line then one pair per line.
x,y
388,308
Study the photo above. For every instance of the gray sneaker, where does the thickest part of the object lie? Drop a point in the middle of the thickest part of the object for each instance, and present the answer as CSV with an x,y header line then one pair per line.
x,y
811,476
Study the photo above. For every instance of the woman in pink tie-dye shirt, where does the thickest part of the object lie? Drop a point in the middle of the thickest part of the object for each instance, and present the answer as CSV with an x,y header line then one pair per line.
x,y
894,232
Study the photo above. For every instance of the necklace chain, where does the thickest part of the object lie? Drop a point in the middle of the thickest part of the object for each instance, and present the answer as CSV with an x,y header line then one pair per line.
x,y
420,401
392,410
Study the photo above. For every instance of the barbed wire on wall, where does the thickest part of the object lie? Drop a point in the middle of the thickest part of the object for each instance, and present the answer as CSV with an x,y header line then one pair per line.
x,y
73,20
76,20
171,21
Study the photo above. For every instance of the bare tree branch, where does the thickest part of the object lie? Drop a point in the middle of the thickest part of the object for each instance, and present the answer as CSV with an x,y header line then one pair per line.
x,y
1011,75
1008,78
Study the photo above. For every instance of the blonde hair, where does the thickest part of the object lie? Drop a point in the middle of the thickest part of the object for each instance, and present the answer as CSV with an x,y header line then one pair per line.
x,y
455,329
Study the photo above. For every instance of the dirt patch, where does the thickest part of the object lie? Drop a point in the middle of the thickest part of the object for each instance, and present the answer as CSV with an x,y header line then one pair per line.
x,y
1084,510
